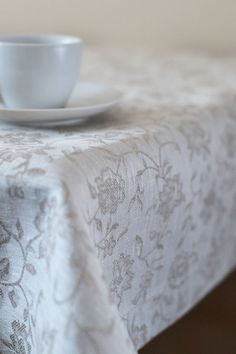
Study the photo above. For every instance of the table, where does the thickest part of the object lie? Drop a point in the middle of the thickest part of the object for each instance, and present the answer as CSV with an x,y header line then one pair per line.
x,y
112,230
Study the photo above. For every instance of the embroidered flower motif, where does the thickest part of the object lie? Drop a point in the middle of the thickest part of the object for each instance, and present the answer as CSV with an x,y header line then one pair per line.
x,y
19,343
111,190
171,196
138,335
25,146
122,274
145,284
179,271
109,245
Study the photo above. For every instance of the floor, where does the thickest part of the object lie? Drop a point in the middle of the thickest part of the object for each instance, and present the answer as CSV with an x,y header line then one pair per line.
x,y
208,329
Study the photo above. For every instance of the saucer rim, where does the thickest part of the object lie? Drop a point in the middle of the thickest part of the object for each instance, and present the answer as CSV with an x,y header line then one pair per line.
x,y
76,113
118,93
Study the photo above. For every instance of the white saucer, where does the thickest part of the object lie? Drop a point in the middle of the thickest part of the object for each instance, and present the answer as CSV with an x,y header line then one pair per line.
x,y
87,100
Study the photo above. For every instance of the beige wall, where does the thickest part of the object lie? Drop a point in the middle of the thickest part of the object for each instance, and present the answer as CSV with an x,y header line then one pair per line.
x,y
162,23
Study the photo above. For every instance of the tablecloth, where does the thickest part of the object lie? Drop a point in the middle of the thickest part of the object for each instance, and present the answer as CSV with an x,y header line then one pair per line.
x,y
110,231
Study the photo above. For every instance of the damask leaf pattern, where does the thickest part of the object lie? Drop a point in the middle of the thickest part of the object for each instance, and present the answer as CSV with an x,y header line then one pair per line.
x,y
4,234
30,268
1,297
98,224
93,191
4,268
179,271
16,192
13,298
26,315
138,246
19,228
132,201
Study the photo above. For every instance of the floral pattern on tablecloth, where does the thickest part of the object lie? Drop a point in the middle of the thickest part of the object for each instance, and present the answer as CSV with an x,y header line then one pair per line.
x,y
111,231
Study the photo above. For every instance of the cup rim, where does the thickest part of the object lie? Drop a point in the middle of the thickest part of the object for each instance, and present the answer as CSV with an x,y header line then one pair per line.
x,y
38,40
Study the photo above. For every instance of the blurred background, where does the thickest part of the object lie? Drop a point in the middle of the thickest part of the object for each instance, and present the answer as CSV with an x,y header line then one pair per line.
x,y
207,24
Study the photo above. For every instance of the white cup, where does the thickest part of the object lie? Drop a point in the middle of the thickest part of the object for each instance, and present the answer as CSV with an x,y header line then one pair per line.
x,y
38,71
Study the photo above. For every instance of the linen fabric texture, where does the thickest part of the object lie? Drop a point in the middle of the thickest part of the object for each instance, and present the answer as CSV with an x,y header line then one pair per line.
x,y
110,231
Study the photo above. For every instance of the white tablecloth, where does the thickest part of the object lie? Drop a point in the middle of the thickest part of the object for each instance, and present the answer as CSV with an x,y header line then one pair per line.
x,y
111,231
